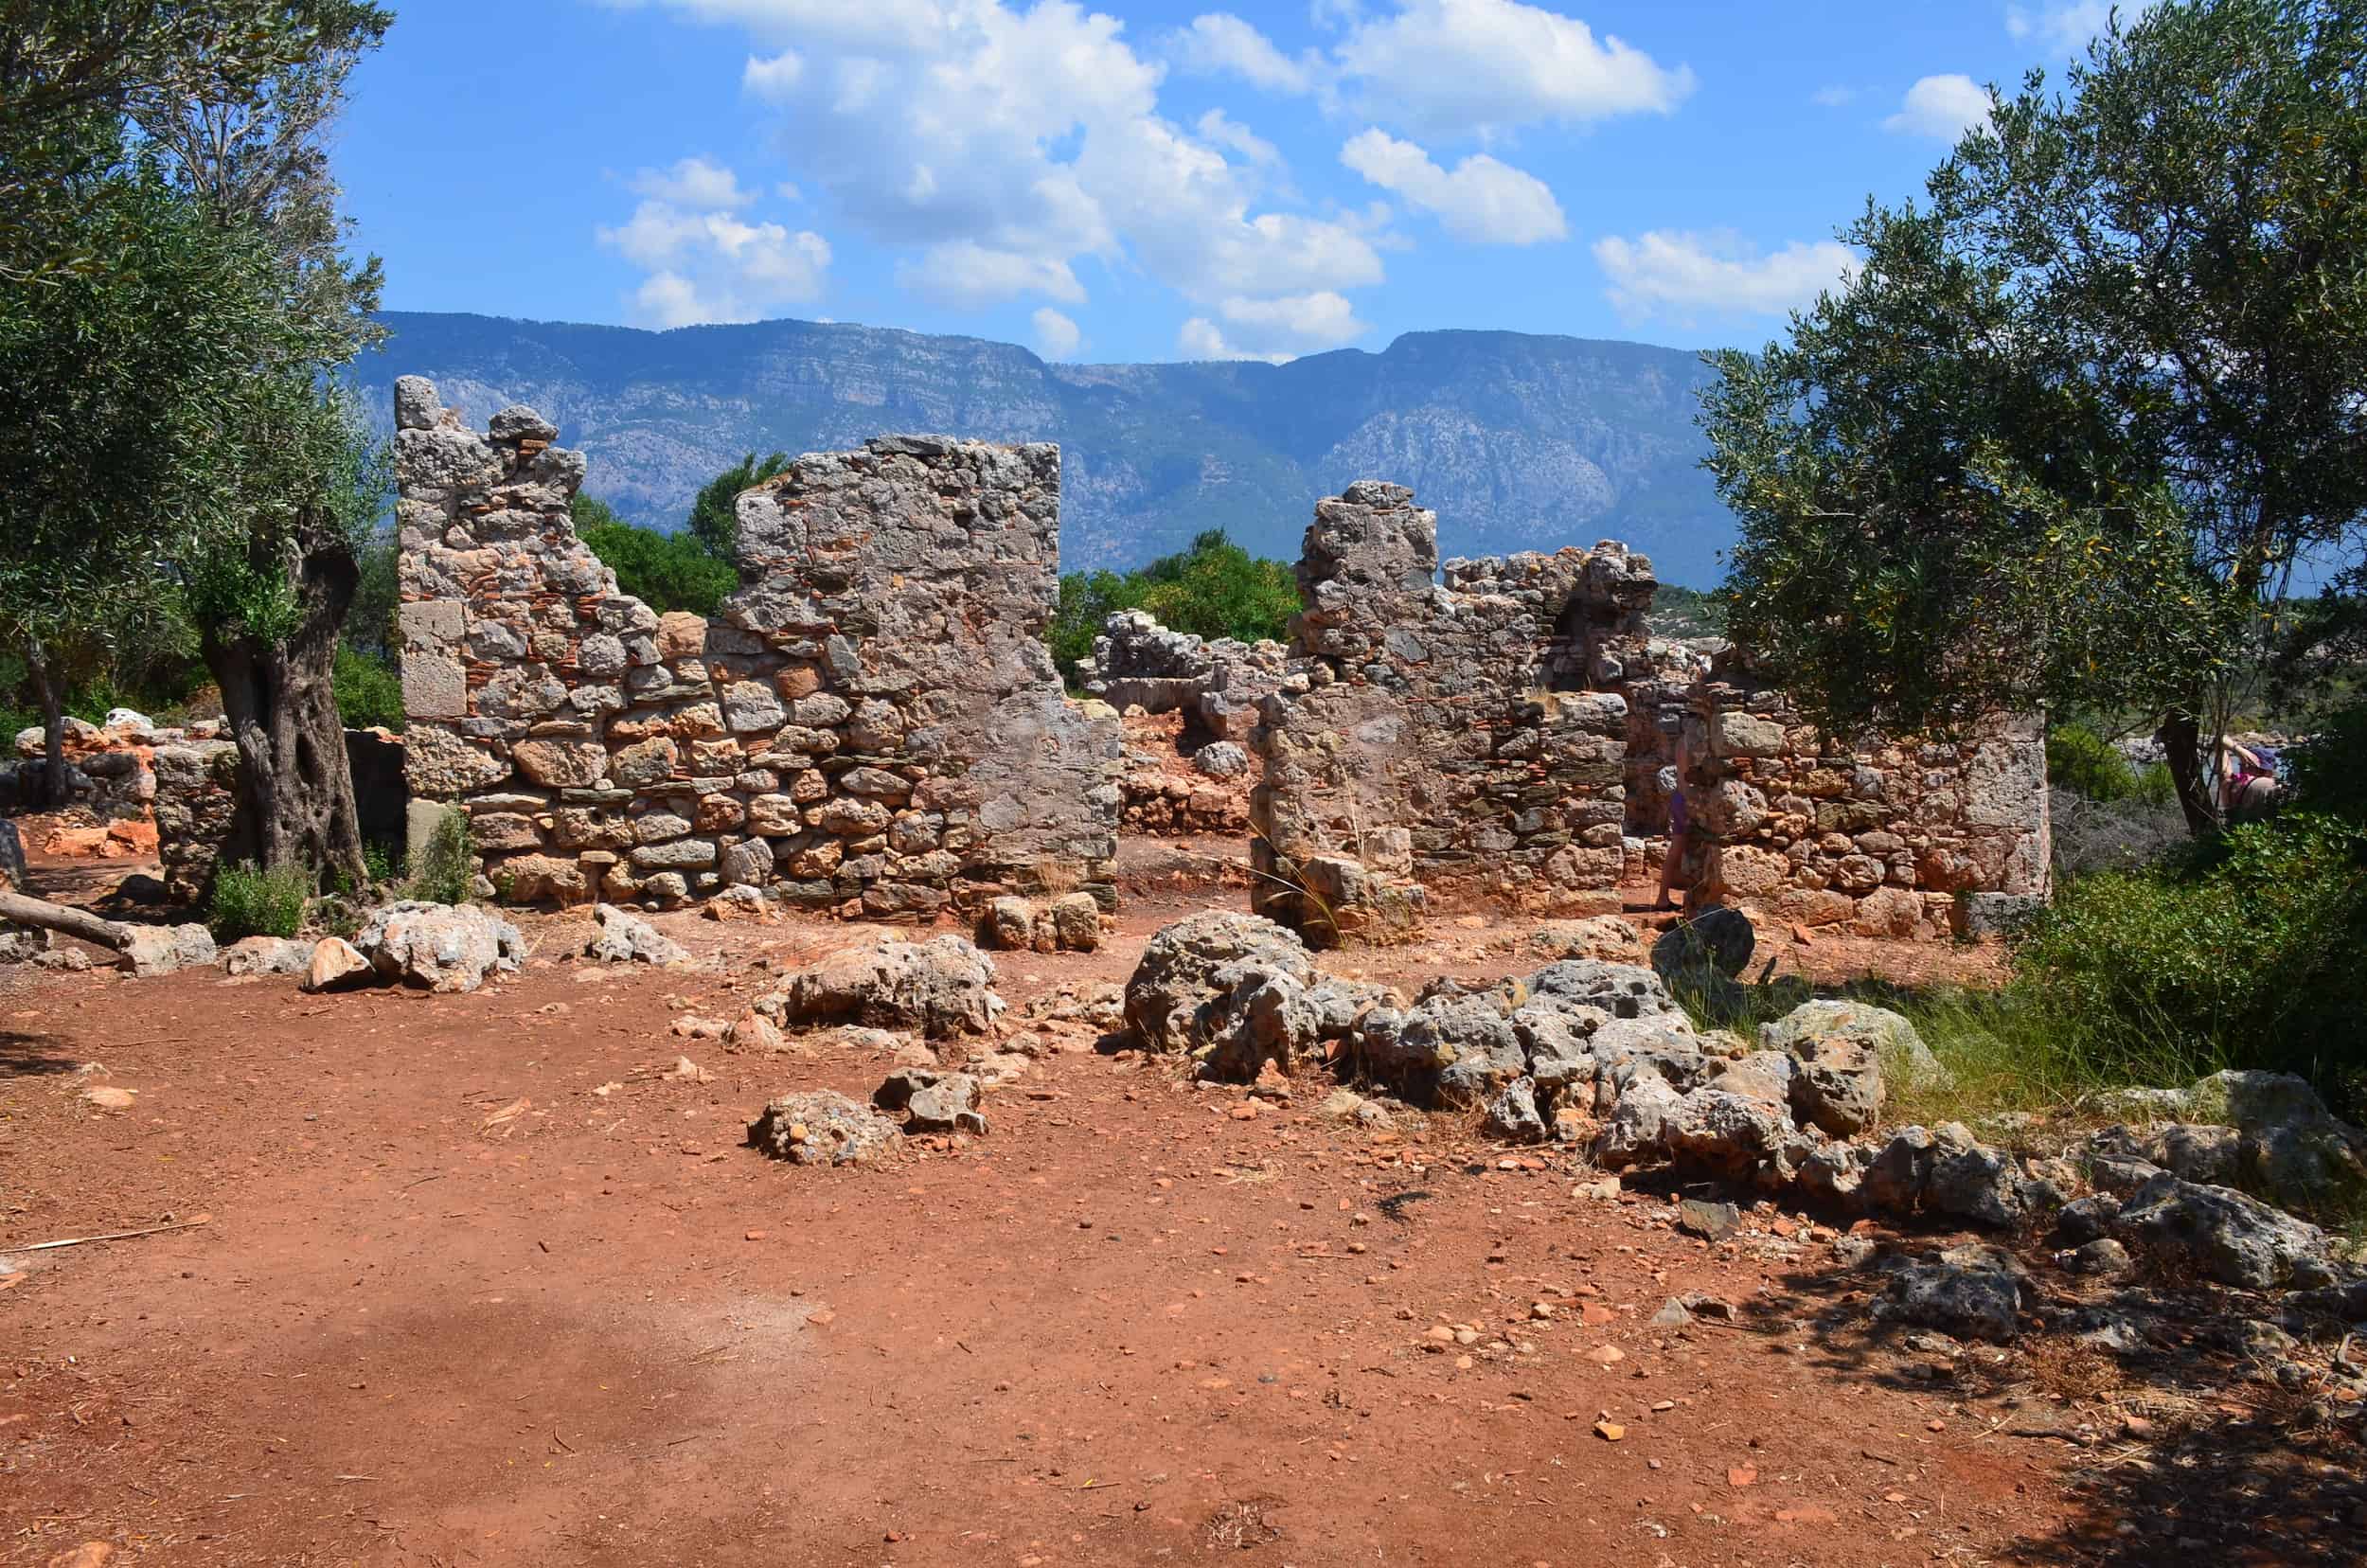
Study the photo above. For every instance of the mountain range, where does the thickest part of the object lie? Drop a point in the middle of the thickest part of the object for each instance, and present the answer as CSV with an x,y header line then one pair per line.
x,y
1520,441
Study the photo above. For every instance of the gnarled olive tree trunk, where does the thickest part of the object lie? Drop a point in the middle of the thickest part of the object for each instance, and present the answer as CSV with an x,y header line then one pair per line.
x,y
2180,735
49,687
295,790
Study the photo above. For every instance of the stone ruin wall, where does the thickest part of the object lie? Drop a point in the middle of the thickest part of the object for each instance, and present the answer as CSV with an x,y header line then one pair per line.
x,y
1506,730
1456,738
1138,663
1891,838
871,724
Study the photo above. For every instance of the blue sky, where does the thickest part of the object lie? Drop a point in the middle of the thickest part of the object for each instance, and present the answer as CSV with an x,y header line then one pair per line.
x,y
1150,181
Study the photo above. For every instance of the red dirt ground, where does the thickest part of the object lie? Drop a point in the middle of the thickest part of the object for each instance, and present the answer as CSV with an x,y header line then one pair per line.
x,y
1124,1327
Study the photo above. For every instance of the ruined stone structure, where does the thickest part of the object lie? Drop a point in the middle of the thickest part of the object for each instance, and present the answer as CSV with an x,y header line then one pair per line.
x,y
871,724
1464,736
1139,662
1892,838
1506,729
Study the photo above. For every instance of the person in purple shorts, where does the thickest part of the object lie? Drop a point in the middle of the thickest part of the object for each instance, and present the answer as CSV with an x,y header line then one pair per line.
x,y
1672,866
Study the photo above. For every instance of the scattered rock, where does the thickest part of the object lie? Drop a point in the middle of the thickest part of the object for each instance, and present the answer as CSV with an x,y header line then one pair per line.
x,y
624,938
2224,1235
107,1097
941,988
2103,1258
443,947
1606,938
1971,1298
267,955
821,1127
932,1101
753,1031
1220,760
1715,944
1197,960
1710,1221
334,965
166,949
1898,1050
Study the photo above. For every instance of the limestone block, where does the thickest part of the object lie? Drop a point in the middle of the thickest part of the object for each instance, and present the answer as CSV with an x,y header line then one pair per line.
x,y
434,686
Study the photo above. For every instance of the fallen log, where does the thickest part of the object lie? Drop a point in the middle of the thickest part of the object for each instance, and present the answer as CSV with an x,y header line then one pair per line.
x,y
18,909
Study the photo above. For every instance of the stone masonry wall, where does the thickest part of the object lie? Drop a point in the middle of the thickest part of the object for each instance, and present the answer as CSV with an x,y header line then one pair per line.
x,y
1138,663
1445,734
871,724
1892,838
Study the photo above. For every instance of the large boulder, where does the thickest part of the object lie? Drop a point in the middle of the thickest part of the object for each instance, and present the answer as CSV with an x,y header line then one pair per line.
x,y
267,955
1197,961
2290,1147
624,938
1712,946
940,988
1971,1292
1623,991
1899,1052
166,949
442,947
2223,1234
822,1127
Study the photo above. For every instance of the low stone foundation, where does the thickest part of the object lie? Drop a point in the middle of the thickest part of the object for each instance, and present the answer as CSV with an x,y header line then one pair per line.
x,y
1218,686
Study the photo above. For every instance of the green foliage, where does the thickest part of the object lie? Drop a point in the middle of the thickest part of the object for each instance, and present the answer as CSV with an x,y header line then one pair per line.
x,y
663,571
1214,589
370,623
713,521
368,690
2059,436
2079,759
2252,954
252,902
448,863
2330,769
1686,613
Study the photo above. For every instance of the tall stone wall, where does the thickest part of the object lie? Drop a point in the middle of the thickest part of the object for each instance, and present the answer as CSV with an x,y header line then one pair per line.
x,y
1450,736
1892,838
870,725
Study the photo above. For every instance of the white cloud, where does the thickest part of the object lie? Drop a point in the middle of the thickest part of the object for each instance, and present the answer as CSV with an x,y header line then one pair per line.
x,y
1223,43
1056,336
694,183
962,272
1482,200
1687,275
1943,107
1271,329
1218,130
773,79
1453,67
2064,27
1833,98
705,262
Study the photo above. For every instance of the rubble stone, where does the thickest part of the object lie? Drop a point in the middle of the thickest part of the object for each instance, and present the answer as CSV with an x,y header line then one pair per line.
x,y
443,947
940,988
822,1127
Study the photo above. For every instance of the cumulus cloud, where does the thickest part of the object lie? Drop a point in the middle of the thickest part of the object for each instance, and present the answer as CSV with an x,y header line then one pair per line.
x,y
1455,67
1223,44
1056,336
962,272
1943,107
775,77
1218,128
2064,27
1481,200
1271,329
1686,276
706,261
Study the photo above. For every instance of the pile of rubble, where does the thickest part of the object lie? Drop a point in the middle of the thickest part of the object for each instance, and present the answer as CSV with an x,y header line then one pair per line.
x,y
1137,662
111,782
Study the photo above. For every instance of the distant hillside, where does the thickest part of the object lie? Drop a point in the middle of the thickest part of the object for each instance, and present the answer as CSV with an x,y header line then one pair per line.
x,y
1518,441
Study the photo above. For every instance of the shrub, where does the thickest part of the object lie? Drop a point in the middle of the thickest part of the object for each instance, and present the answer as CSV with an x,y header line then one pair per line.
x,y
249,901
2330,768
2119,835
2079,759
663,571
369,692
448,863
2248,952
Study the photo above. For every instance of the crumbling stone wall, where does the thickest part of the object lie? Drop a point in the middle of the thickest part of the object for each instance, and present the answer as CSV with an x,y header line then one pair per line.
x,y
1139,662
1892,838
1507,729
196,797
1448,736
871,723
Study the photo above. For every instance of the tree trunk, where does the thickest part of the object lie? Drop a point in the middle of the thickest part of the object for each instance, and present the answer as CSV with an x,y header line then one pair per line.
x,y
24,909
2180,735
49,689
295,790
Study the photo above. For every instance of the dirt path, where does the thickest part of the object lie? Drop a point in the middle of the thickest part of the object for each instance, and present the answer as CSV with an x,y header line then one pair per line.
x,y
426,1325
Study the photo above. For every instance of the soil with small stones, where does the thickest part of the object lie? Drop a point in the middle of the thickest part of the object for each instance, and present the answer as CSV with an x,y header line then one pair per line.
x,y
477,1284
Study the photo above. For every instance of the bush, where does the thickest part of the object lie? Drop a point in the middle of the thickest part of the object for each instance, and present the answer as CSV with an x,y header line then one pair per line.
x,y
2248,952
2330,768
249,901
369,690
1214,589
448,865
2079,759
2119,835
663,571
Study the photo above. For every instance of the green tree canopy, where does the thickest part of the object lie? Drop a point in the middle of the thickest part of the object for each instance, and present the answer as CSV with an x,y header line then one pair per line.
x,y
1214,589
2073,419
662,570
713,523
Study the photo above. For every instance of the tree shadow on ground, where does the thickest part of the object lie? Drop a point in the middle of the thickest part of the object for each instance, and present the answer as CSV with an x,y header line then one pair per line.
x,y
32,1055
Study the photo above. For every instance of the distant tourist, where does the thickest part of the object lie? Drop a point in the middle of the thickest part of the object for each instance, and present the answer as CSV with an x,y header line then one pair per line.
x,y
2248,781
1672,863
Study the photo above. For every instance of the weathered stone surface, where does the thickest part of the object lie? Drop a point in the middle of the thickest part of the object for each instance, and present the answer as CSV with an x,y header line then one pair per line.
x,y
1604,937
822,1127
334,965
1076,920
940,988
2223,1234
168,950
932,1101
1189,964
441,946
1007,925
266,955
624,938
1969,1293
1900,1052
